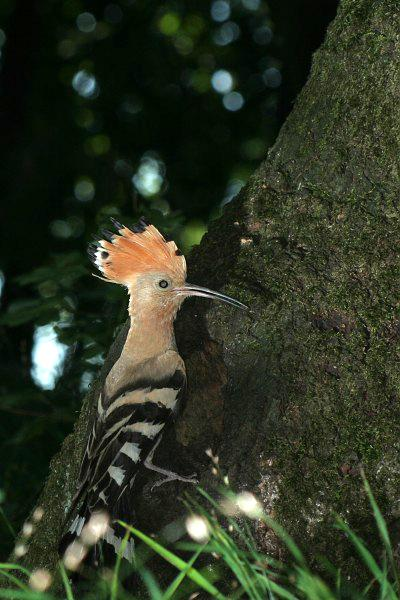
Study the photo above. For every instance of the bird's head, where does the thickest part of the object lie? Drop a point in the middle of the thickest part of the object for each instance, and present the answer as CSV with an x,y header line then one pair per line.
x,y
153,270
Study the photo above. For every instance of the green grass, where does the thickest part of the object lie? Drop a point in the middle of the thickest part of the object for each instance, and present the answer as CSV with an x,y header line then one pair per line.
x,y
226,563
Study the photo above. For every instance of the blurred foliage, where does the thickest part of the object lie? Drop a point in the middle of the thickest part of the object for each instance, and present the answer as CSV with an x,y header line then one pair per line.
x,y
117,109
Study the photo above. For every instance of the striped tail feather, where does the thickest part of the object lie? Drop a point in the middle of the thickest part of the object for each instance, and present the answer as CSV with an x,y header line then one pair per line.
x,y
98,536
114,537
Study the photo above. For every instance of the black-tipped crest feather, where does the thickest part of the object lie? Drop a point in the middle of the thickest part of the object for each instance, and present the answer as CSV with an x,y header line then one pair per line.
x,y
107,235
116,223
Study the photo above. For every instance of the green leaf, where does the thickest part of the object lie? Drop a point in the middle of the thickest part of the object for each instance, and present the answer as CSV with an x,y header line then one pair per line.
x,y
380,521
151,584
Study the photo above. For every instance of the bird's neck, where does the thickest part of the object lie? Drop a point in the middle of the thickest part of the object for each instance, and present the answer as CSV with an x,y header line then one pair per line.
x,y
151,333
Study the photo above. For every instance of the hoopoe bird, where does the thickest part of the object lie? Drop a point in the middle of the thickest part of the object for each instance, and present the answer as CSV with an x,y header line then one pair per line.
x,y
145,388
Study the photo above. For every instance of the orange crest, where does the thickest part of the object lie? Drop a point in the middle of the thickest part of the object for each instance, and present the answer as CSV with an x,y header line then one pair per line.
x,y
141,249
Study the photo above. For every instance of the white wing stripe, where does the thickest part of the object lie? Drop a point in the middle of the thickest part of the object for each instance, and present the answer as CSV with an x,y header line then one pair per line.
x,y
135,397
115,541
116,427
148,429
77,525
117,474
165,396
132,450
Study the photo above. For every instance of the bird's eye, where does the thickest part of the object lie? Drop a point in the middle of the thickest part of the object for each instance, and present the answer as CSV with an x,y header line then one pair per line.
x,y
163,284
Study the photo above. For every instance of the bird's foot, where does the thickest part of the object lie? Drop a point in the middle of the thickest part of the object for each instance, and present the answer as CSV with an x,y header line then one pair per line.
x,y
170,476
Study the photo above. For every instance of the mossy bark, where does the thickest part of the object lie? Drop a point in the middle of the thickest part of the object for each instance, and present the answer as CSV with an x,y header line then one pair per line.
x,y
299,393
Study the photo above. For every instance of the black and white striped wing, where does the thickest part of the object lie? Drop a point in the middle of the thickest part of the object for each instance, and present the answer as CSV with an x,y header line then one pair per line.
x,y
125,434
126,429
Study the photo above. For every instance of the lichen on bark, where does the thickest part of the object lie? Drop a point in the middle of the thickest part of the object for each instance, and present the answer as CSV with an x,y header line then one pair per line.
x,y
298,393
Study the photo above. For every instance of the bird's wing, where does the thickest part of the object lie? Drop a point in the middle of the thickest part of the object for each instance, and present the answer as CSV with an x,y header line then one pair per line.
x,y
126,427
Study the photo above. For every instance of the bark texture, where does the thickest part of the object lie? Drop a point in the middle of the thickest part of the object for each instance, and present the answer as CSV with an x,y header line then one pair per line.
x,y
297,394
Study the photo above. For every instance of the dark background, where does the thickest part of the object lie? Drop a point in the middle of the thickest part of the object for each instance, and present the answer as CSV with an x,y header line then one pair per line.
x,y
117,109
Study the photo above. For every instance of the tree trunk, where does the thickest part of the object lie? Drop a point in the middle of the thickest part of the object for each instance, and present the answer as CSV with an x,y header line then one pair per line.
x,y
300,392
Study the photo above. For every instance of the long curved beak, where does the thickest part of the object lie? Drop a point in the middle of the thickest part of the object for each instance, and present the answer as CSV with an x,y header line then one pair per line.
x,y
190,289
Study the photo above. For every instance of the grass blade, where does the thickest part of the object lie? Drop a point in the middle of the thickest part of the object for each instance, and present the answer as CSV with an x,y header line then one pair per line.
x,y
115,578
24,595
170,591
151,584
383,530
242,569
286,539
66,583
366,555
312,586
380,521
14,580
14,567
175,561
277,589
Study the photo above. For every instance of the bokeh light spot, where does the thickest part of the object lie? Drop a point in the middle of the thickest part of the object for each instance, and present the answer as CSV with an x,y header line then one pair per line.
x,y
73,226
86,22
84,189
61,229
98,145
227,33
222,81
262,35
254,148
183,43
272,77
251,4
192,234
66,48
220,10
198,528
169,23
194,25
85,84
40,580
48,356
233,101
149,177
200,80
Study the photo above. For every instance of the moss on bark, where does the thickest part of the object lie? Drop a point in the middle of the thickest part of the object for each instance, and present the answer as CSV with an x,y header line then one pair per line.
x,y
296,395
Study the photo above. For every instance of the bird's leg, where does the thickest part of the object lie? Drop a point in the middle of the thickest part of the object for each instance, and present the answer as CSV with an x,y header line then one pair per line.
x,y
169,475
